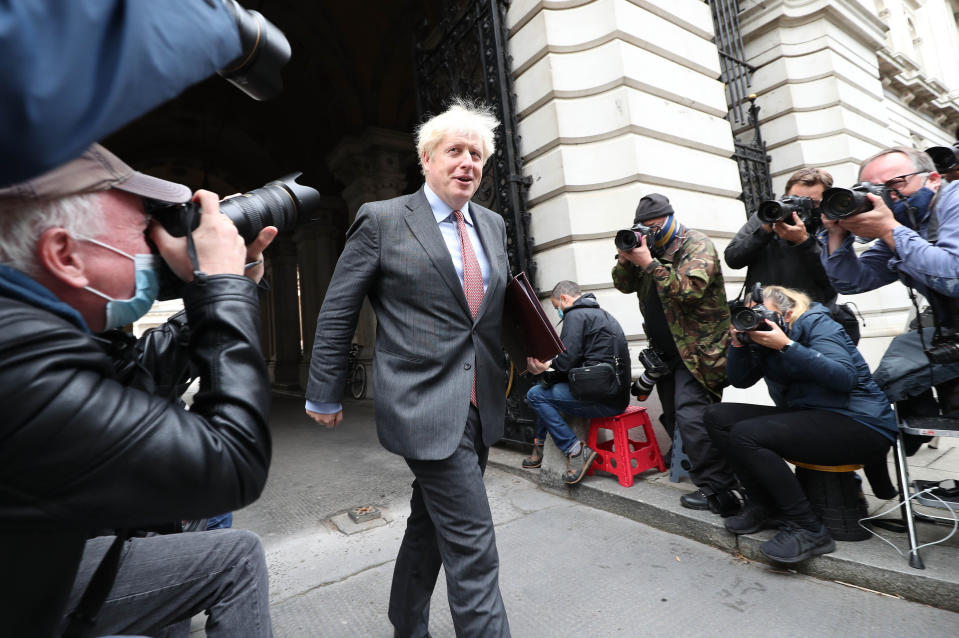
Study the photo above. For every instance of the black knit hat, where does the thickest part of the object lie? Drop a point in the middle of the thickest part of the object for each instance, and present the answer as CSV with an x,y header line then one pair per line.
x,y
652,206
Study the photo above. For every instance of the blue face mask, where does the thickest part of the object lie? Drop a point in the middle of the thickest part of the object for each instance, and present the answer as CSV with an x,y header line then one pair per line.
x,y
920,201
120,312
559,312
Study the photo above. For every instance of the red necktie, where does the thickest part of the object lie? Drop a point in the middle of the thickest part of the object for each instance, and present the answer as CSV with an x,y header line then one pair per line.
x,y
472,280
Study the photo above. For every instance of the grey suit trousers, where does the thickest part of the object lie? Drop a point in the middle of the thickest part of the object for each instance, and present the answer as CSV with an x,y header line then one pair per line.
x,y
450,525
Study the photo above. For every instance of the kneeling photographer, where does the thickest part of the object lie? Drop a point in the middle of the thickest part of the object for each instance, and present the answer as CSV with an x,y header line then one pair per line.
x,y
902,201
828,411
596,348
94,436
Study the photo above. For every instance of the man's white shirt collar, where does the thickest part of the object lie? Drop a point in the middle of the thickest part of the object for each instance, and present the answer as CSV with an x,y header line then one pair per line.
x,y
442,210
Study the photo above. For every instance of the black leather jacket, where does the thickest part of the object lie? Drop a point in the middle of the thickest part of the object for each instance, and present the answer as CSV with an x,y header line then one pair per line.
x,y
86,443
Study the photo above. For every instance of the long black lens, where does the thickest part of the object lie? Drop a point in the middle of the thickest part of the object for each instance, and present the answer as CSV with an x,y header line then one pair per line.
x,y
944,157
265,50
278,203
626,240
839,203
746,319
772,211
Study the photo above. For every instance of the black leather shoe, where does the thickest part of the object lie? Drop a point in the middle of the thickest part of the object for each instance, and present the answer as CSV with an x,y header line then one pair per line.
x,y
694,500
725,503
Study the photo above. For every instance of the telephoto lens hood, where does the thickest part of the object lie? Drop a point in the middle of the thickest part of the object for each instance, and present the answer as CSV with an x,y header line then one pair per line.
x,y
266,50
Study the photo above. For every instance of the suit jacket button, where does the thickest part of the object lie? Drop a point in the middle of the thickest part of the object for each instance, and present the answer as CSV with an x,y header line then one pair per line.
x,y
467,366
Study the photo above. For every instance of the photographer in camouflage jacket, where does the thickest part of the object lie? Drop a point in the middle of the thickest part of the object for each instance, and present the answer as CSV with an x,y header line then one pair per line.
x,y
679,283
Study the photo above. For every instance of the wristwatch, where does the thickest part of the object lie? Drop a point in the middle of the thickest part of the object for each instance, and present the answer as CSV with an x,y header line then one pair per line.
x,y
786,347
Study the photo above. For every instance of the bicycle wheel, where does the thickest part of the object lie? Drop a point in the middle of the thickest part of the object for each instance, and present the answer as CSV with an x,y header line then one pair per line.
x,y
358,381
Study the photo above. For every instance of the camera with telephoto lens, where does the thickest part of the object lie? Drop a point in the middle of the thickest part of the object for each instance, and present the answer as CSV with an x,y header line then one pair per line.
x,y
946,158
256,71
840,203
654,370
279,203
745,318
628,239
782,210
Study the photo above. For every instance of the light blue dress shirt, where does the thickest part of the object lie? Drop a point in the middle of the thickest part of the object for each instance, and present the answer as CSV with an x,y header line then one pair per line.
x,y
451,235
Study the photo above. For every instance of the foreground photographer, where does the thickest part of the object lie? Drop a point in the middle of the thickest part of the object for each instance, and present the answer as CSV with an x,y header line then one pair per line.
x,y
828,411
89,442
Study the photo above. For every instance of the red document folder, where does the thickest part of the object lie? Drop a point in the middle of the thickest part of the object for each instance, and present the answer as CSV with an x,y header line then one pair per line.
x,y
527,332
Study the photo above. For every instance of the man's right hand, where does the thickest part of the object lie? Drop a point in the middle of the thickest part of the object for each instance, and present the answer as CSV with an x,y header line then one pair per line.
x,y
219,247
329,421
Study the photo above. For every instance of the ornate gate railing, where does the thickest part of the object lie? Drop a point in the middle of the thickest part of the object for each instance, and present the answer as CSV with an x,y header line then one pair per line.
x,y
750,156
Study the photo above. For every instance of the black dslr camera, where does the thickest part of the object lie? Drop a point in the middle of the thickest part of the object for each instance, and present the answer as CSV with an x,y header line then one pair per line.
x,y
653,370
279,203
840,203
745,318
628,239
946,158
782,210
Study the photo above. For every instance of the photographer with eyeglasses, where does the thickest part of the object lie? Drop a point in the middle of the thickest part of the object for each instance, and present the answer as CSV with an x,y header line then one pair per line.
x,y
902,201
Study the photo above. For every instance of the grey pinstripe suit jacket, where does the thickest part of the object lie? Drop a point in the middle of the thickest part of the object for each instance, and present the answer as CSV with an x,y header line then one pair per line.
x,y
427,343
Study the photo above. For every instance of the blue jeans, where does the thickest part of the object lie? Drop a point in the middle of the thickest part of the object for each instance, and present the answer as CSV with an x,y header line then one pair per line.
x,y
549,401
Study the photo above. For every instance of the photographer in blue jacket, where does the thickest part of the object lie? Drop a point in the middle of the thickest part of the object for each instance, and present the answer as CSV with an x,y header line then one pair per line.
x,y
828,411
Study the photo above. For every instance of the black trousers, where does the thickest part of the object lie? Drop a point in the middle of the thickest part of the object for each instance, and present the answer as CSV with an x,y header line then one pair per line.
x,y
757,439
450,526
684,399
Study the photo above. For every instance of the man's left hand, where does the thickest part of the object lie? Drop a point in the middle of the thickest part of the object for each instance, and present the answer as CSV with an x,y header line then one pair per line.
x,y
877,223
536,366
795,232
254,253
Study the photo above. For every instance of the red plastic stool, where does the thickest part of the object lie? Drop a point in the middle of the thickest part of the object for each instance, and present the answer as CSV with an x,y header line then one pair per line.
x,y
623,456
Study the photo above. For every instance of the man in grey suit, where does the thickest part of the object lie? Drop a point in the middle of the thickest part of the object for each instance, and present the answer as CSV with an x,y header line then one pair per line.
x,y
434,267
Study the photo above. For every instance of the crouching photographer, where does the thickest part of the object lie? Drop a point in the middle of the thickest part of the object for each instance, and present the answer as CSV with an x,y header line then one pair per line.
x,y
828,411
89,444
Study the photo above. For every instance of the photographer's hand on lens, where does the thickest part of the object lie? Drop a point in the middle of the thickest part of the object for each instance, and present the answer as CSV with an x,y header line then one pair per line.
x,y
773,338
329,421
794,232
219,247
877,223
254,253
639,256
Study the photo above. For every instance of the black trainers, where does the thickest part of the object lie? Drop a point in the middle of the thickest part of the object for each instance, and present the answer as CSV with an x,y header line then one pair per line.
x,y
578,464
752,518
794,544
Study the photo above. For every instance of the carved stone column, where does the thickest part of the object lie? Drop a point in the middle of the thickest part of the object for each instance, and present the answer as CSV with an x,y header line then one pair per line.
x,y
373,166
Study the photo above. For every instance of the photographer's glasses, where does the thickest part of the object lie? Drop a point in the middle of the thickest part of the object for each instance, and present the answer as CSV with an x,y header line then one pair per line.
x,y
899,182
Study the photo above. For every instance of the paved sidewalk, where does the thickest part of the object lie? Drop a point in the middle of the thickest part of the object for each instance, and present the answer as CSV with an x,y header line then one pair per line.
x,y
597,559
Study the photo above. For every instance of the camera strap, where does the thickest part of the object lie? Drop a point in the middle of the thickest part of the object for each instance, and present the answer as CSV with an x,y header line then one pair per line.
x,y
84,617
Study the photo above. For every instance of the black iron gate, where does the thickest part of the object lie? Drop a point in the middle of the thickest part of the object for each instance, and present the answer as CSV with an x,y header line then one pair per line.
x,y
464,55
750,155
